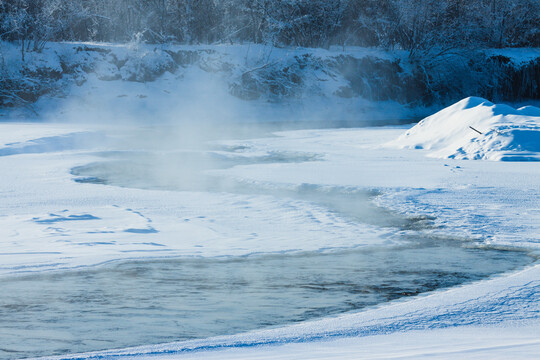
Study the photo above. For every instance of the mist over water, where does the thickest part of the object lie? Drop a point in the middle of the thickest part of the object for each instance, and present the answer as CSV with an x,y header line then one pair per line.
x,y
166,110
189,171
158,164
149,302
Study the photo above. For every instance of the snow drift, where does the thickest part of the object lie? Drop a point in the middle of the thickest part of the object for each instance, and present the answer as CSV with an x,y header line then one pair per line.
x,y
477,129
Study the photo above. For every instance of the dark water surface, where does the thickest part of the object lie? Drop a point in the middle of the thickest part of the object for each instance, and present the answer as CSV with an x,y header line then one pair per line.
x,y
147,302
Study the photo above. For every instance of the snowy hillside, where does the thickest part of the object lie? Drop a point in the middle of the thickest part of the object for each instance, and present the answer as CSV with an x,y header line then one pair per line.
x,y
171,83
163,82
474,129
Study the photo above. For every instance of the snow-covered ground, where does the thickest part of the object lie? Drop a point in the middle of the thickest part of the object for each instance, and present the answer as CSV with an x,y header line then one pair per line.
x,y
50,222
478,129
171,83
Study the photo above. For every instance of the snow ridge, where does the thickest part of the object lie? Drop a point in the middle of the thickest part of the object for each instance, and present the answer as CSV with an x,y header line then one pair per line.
x,y
476,129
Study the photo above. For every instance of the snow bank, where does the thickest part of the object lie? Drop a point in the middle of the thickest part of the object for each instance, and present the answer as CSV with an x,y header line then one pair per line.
x,y
515,55
172,83
476,129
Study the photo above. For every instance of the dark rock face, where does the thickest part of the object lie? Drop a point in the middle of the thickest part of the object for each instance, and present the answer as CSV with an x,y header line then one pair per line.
x,y
377,79
511,82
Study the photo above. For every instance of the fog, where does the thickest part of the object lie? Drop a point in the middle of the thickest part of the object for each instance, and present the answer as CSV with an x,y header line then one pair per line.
x,y
174,132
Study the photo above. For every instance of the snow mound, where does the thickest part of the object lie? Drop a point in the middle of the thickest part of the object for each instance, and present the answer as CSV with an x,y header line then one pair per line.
x,y
477,129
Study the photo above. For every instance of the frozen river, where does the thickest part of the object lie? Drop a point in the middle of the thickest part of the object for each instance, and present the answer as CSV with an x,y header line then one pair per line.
x,y
129,303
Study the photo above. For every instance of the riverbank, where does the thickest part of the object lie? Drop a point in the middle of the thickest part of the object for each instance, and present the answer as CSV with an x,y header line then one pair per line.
x,y
53,221
168,83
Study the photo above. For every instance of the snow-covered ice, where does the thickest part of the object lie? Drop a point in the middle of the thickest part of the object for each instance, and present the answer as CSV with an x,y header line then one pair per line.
x,y
50,222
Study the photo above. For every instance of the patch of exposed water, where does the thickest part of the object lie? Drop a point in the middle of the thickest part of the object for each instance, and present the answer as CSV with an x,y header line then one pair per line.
x,y
146,302
189,171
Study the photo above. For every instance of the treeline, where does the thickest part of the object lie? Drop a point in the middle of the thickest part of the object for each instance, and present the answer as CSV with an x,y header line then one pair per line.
x,y
415,25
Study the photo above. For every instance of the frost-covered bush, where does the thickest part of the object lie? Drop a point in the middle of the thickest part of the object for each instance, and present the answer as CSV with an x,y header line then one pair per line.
x,y
22,83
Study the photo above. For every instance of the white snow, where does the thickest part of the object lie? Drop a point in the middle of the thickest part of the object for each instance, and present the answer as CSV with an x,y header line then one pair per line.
x,y
195,90
475,128
50,222
516,55
467,342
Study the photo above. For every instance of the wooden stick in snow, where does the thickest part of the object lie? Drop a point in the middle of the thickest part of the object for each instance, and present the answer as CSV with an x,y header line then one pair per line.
x,y
475,130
